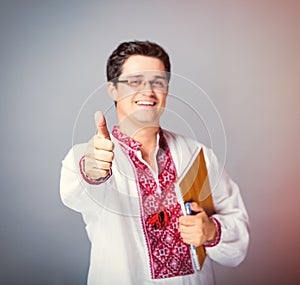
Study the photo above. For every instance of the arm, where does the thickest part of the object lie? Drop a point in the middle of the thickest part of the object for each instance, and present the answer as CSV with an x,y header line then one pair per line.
x,y
86,168
224,234
230,213
74,189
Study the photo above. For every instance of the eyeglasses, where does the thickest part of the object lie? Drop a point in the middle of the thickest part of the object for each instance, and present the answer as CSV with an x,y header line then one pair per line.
x,y
159,83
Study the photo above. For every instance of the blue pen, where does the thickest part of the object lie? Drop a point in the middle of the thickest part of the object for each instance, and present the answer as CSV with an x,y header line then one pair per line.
x,y
193,248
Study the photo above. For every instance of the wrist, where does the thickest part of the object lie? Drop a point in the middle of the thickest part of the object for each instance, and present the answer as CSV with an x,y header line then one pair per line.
x,y
217,233
91,180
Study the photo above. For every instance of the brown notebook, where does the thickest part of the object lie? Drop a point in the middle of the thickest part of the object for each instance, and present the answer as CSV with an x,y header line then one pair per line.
x,y
195,187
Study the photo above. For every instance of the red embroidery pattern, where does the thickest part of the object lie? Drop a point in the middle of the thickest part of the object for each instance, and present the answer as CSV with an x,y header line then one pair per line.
x,y
160,210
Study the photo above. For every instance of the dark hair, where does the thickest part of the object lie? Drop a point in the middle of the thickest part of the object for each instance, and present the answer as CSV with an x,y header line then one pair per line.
x,y
124,50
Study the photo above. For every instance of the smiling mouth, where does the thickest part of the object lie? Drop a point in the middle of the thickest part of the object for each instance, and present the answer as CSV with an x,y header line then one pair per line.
x,y
145,103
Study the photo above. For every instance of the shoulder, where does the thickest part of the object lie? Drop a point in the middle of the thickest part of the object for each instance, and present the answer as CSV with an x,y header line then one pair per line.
x,y
183,142
185,148
171,136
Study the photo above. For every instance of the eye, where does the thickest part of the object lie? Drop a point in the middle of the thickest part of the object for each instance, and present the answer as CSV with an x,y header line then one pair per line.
x,y
134,82
158,83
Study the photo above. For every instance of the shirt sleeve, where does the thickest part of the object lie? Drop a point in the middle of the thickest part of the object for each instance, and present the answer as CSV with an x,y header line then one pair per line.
x,y
88,179
74,189
230,213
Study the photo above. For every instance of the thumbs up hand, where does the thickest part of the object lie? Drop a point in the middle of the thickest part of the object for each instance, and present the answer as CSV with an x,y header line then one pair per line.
x,y
101,125
99,154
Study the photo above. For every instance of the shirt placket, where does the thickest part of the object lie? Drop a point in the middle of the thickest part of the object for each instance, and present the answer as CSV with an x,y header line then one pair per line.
x,y
160,210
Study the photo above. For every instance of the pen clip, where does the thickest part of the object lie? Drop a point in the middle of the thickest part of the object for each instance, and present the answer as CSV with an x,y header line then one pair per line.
x,y
188,208
193,248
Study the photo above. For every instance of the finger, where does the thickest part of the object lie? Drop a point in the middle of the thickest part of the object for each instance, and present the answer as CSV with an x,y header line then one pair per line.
x,y
97,173
101,155
194,238
101,125
93,169
187,229
98,164
100,143
188,236
95,165
103,165
187,221
192,241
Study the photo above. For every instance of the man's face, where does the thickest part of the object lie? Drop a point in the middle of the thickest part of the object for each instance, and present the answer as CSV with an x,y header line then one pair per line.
x,y
141,91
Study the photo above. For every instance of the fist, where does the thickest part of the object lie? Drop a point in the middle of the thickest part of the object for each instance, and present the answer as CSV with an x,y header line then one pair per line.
x,y
197,229
99,154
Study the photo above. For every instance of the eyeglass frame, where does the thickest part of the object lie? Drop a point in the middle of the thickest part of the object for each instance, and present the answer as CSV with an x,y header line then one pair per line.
x,y
139,87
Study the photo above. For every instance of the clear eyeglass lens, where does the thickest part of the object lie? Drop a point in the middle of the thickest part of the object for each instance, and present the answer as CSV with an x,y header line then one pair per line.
x,y
158,84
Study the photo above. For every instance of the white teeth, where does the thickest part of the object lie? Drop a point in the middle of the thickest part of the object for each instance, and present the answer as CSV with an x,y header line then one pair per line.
x,y
145,103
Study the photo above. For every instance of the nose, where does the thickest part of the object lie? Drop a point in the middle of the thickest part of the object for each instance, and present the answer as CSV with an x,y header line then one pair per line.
x,y
147,87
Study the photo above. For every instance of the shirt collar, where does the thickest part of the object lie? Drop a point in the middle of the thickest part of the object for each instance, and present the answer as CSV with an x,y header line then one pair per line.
x,y
132,143
126,140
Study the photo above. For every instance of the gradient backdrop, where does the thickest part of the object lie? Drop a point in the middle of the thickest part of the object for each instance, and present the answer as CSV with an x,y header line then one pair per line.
x,y
244,54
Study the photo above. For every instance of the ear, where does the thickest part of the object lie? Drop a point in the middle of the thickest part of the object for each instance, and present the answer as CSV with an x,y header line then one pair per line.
x,y
168,90
112,91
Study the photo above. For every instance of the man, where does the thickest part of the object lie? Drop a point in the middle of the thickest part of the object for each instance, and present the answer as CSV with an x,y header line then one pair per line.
x,y
125,184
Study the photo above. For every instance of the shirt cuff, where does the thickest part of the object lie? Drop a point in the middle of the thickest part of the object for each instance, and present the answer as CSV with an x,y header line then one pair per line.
x,y
218,234
90,180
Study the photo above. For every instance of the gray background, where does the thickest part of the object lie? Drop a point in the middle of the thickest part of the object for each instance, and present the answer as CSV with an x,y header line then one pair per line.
x,y
244,54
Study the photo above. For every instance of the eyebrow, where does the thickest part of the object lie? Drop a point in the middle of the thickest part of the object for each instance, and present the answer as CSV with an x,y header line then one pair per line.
x,y
142,76
160,77
134,76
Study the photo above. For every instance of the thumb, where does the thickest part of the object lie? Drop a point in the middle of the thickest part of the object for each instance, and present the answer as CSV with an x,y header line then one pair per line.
x,y
196,208
101,125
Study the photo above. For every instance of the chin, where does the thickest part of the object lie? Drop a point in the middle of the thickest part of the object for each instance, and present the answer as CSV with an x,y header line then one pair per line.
x,y
142,118
148,118
148,123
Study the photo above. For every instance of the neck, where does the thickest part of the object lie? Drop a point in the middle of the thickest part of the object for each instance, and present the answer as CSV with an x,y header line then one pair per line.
x,y
147,136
